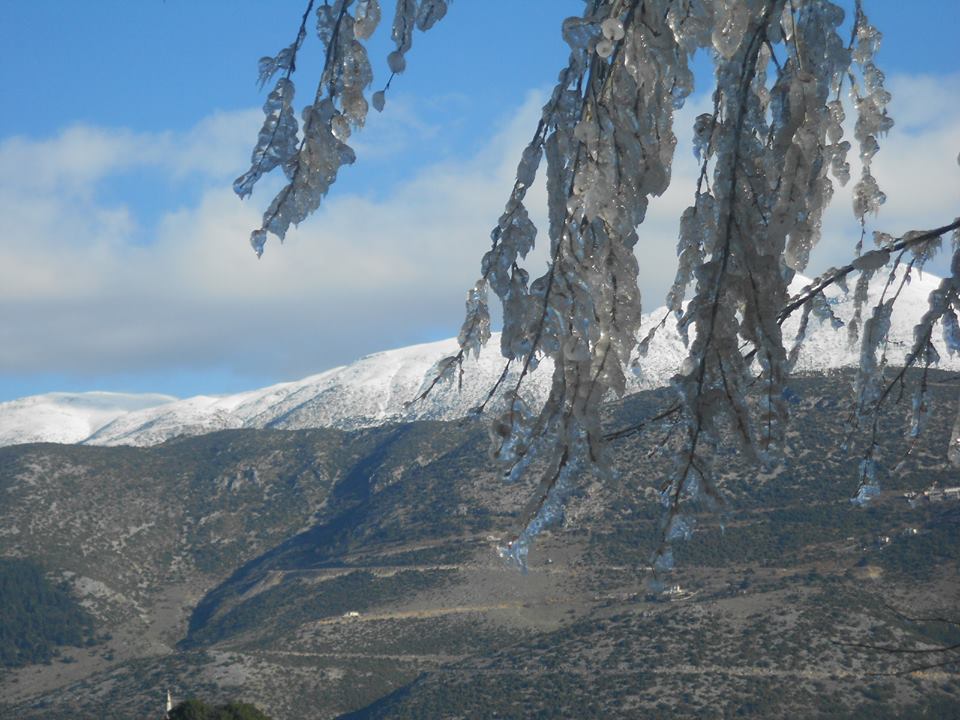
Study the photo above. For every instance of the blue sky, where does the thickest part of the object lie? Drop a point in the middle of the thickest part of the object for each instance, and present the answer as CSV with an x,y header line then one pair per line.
x,y
125,265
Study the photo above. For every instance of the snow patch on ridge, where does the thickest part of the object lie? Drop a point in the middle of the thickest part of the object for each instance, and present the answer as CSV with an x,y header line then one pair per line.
x,y
68,417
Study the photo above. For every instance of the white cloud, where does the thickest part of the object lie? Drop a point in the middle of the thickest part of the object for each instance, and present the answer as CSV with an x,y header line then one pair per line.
x,y
78,158
366,273
363,274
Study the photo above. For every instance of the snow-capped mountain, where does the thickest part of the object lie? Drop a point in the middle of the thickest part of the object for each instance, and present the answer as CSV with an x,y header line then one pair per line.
x,y
376,389
68,417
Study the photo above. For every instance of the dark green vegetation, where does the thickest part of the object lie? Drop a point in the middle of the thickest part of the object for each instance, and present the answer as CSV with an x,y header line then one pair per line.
x,y
37,616
194,709
298,601
325,574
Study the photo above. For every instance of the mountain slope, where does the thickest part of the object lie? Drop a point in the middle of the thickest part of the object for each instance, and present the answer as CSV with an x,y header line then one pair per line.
x,y
320,572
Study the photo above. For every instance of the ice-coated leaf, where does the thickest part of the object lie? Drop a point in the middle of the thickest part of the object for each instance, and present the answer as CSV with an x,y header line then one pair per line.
x,y
512,432
529,162
951,332
271,65
320,159
326,23
353,77
442,371
612,29
396,62
429,13
366,18
404,20
513,238
953,449
873,260
702,130
867,196
732,19
680,528
258,238
865,494
476,326
580,33
867,41
277,143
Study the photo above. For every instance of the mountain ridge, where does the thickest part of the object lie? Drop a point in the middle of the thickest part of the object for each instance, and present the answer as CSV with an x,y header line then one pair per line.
x,y
377,388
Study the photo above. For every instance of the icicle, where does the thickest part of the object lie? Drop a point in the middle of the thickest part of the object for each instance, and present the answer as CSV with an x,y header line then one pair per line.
x,y
476,326
953,449
277,142
951,332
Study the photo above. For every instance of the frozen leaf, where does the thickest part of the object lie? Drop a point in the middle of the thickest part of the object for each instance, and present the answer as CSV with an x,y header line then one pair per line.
x,y
429,13
322,154
442,371
951,332
258,238
326,23
580,33
702,130
476,326
366,18
867,196
404,20
282,62
612,29
953,449
732,19
512,432
663,561
865,494
873,260
396,62
680,528
277,142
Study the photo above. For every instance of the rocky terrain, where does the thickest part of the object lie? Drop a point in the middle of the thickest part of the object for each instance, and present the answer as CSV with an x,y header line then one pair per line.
x,y
326,573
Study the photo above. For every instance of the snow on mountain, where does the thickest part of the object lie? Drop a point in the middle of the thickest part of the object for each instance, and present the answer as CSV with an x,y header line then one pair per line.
x,y
371,391
825,348
376,389
67,417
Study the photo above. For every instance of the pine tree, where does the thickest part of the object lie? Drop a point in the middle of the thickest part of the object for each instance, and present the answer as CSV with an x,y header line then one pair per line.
x,y
770,153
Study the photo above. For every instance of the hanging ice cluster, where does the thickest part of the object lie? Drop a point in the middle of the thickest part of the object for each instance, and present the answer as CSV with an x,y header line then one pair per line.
x,y
771,143
871,386
872,120
605,142
607,137
311,160
943,306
